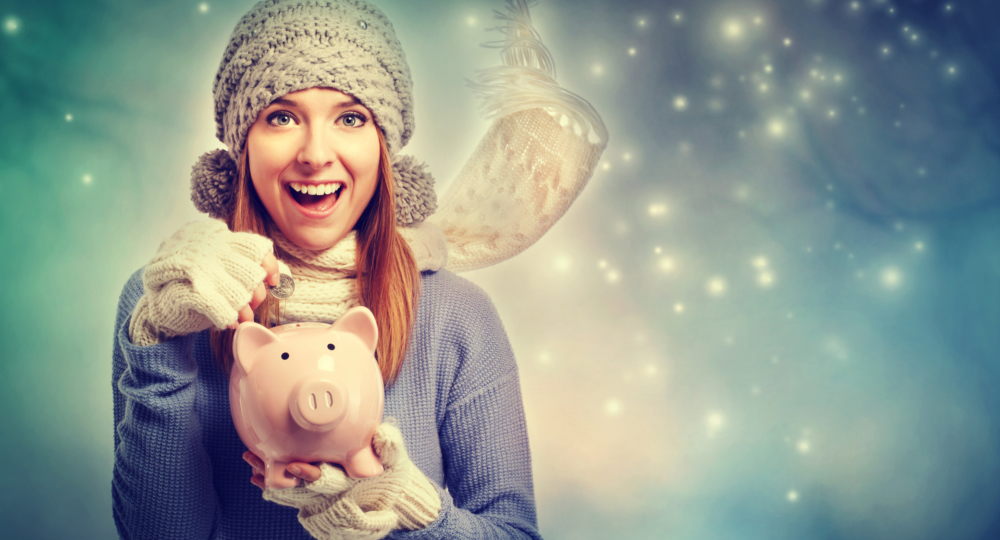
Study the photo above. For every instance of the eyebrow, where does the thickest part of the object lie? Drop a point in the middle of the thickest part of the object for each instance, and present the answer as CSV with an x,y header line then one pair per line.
x,y
291,102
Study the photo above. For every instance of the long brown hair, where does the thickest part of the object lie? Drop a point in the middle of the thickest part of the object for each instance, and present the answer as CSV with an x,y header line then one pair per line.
x,y
388,278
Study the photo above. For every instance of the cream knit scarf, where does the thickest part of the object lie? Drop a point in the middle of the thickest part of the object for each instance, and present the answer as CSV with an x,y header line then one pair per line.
x,y
326,281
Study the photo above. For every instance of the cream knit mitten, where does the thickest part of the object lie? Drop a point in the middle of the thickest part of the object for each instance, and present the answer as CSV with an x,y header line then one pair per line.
x,y
200,277
339,507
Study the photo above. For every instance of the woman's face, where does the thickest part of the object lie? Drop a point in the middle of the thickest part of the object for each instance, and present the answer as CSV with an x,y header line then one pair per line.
x,y
314,161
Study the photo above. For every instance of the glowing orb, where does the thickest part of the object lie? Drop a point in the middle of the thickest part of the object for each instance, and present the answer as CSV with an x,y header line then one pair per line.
x,y
891,278
715,421
732,29
776,128
11,25
613,407
716,286
562,263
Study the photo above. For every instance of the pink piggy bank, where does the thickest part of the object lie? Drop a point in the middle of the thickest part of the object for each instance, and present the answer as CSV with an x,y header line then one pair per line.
x,y
308,392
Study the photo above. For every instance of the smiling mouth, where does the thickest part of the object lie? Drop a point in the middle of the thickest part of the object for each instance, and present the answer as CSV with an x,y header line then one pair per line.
x,y
315,197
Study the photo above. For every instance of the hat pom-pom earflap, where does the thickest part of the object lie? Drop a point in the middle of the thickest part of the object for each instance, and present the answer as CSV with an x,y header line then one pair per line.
x,y
212,181
415,196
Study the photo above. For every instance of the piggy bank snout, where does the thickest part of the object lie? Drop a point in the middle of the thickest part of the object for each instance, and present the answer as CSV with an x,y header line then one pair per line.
x,y
317,403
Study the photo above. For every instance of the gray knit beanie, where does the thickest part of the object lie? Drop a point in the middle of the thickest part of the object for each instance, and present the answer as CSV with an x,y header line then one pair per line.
x,y
282,46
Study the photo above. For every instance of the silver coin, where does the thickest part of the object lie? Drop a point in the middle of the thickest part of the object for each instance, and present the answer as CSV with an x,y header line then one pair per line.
x,y
284,289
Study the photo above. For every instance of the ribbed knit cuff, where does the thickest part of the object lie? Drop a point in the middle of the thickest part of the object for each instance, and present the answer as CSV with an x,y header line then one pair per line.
x,y
414,498
419,504
342,518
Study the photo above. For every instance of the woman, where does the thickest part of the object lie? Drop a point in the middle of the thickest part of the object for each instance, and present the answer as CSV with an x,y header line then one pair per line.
x,y
313,101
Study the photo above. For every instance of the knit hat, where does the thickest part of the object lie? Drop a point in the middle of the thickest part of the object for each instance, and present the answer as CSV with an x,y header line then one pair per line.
x,y
283,46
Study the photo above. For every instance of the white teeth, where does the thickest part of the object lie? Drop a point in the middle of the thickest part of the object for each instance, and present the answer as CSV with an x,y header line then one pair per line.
x,y
313,189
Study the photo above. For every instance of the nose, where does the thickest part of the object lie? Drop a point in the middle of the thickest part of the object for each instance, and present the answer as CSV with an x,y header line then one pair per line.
x,y
317,151
317,404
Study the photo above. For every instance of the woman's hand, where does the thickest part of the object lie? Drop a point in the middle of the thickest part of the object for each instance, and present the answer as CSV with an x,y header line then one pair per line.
x,y
270,265
333,505
305,471
203,276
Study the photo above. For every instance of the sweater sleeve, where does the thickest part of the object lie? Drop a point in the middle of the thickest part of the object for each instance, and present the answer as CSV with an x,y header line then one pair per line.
x,y
483,436
162,479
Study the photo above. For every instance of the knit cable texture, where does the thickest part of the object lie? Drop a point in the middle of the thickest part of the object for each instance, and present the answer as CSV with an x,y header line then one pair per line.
x,y
339,507
283,46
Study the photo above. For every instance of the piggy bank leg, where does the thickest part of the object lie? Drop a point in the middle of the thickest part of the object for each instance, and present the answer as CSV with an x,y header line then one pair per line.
x,y
275,475
363,464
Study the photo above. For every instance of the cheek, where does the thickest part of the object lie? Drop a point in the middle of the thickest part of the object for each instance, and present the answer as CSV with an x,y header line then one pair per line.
x,y
265,166
365,163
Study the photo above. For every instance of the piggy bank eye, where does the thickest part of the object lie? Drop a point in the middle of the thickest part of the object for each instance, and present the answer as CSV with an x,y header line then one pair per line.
x,y
284,356
330,346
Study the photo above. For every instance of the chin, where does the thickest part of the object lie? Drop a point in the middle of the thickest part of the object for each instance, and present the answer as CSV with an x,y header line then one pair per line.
x,y
316,242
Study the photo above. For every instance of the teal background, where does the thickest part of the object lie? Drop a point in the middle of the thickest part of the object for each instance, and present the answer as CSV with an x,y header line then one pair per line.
x,y
738,331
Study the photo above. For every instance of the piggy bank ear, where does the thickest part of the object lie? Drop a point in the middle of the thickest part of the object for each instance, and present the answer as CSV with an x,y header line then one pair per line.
x,y
360,322
250,337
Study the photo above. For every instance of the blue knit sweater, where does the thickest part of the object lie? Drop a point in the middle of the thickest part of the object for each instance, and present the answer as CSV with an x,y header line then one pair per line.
x,y
178,469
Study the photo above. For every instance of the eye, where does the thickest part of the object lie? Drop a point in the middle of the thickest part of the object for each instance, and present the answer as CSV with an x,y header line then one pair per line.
x,y
354,119
280,118
284,356
330,346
